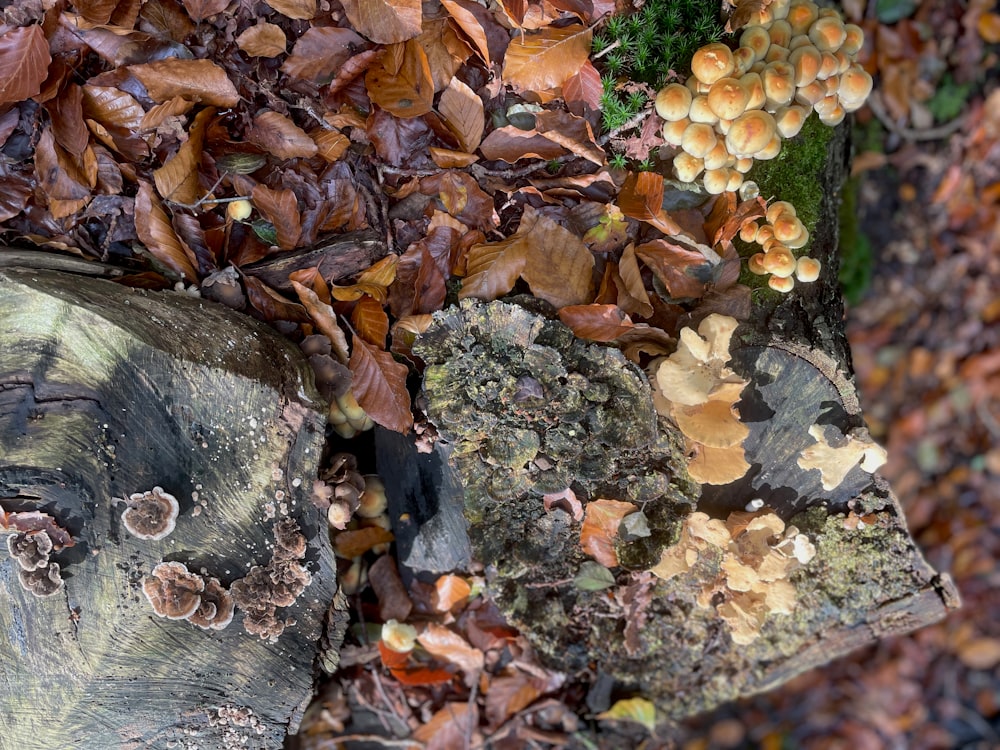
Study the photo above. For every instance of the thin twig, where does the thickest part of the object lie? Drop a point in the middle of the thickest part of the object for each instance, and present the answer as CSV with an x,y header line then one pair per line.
x,y
912,134
377,739
614,45
633,122
207,198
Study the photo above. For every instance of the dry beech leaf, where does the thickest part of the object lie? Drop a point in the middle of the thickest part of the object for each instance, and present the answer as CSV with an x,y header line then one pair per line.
x,y
385,21
510,144
406,90
470,26
448,159
571,132
350,544
198,80
154,230
325,319
445,51
263,40
112,107
271,304
199,10
600,528
320,52
493,268
596,322
24,62
370,321
463,112
159,113
632,297
451,647
641,198
393,601
280,207
583,89
559,267
177,179
330,144
302,10
685,273
508,695
546,59
68,126
379,385
448,727
450,590
278,135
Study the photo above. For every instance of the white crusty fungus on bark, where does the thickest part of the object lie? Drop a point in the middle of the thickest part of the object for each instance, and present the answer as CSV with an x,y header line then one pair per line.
x,y
835,461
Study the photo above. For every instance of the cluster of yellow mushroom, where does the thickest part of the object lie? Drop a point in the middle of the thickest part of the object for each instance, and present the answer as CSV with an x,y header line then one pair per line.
x,y
738,104
781,232
347,417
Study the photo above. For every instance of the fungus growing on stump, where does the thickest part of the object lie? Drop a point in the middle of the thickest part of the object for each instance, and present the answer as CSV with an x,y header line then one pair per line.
x,y
43,581
151,515
173,590
216,609
30,549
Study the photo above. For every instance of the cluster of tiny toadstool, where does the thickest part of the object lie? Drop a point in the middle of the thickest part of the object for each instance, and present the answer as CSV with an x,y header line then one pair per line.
x,y
781,232
738,104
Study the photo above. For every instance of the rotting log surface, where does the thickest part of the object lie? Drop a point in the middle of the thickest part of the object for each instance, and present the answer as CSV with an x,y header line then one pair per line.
x,y
104,392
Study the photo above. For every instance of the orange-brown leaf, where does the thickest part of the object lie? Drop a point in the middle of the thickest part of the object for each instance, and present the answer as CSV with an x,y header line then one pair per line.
x,y
471,26
379,385
641,198
508,695
263,40
450,590
406,90
199,10
24,62
546,59
451,647
385,21
154,230
600,528
200,80
448,159
683,272
177,179
278,135
350,544
510,143
320,52
584,89
493,268
596,322
302,10
370,321
448,727
112,107
463,112
632,295
271,304
324,318
281,208
559,267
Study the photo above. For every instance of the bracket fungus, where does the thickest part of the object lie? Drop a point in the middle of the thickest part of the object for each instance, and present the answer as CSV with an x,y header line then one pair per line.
x,y
30,549
216,609
151,515
834,459
173,590
43,581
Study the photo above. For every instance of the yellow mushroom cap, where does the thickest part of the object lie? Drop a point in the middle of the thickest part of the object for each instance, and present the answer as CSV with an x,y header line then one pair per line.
x,y
779,261
755,90
698,139
779,84
800,40
701,112
790,120
748,232
827,33
854,39
687,167
806,62
673,102
802,15
771,150
772,243
783,284
743,58
756,264
830,66
780,32
715,181
728,98
735,181
765,233
807,269
834,117
778,208
832,85
798,242
712,62
779,9
825,106
750,132
786,227
744,164
855,85
695,86
776,53
757,39
719,157
810,94
673,132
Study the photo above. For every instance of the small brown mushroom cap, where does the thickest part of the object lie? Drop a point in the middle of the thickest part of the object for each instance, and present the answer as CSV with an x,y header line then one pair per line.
x,y
764,233
755,90
801,241
748,232
151,515
802,15
750,132
779,84
776,53
777,208
699,139
30,549
800,40
771,150
735,181
826,106
701,112
687,167
786,227
855,86
216,609
743,58
807,269
832,85
854,39
790,120
828,33
783,284
757,39
712,62
673,132
715,181
834,117
779,261
808,95
829,67
173,590
41,582
718,157
806,62
673,102
728,98
780,32
756,264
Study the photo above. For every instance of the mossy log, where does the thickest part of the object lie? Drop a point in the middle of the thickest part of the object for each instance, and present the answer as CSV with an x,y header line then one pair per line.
x,y
106,392
665,639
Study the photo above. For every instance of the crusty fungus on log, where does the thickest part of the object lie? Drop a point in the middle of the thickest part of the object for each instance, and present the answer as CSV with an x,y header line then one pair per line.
x,y
151,515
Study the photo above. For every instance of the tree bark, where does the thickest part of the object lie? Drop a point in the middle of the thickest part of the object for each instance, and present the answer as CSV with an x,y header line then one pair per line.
x,y
107,391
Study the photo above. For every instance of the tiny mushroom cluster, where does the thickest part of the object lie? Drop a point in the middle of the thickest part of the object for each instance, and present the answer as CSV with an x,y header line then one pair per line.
x,y
178,594
698,391
780,234
333,380
753,554
738,104
32,538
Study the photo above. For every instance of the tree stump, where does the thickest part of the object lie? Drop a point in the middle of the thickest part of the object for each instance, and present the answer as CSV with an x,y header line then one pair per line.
x,y
107,392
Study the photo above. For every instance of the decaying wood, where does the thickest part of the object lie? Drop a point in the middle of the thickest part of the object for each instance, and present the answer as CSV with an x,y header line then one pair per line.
x,y
105,392
339,258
